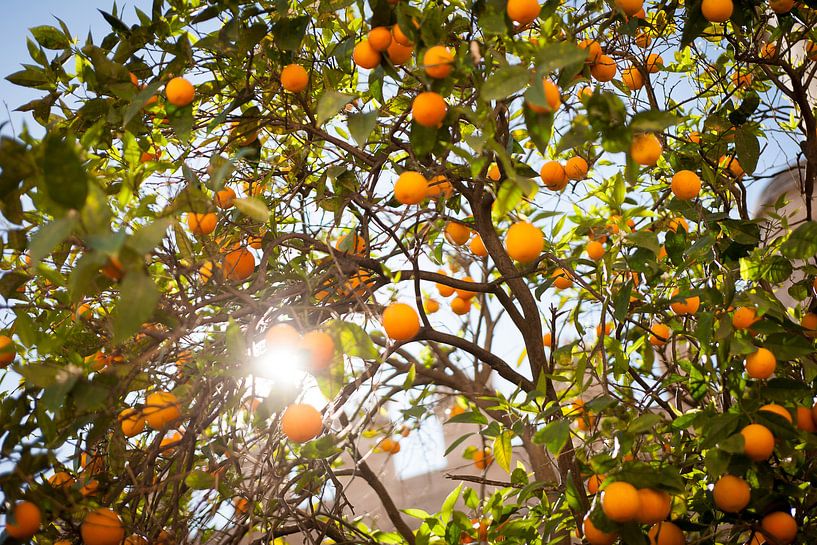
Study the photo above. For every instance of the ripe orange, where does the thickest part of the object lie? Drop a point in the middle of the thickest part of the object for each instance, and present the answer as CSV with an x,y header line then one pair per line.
x,y
410,188
351,243
180,92
389,445
460,306
595,250
379,38
758,442
666,533
553,98
7,351
620,501
654,63
242,505
399,54
744,317
778,410
401,322
576,168
27,521
494,173
809,324
430,305
439,186
608,327
443,289
584,93
294,78
132,422
731,494
547,340
524,242
523,12
594,536
561,279
483,458
478,247
365,56
225,198
685,185
655,505
301,422
102,527
161,410
630,7
320,347
604,69
429,109
659,334
645,149
643,39
761,364
594,482
688,305
399,36
61,479
781,6
438,62
717,11
632,78
201,224
282,334
112,269
732,164
463,293
553,175
238,265
780,527
805,420
457,233
593,49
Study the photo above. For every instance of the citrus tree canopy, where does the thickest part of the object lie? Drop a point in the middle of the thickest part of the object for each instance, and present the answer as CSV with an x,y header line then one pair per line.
x,y
253,244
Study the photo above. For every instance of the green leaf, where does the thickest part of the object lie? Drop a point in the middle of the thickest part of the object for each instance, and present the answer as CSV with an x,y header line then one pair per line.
x,y
254,208
802,242
422,139
540,128
181,119
554,436
145,240
330,103
645,239
235,341
200,480
505,82
747,149
775,269
553,56
30,77
412,373
50,37
645,422
695,23
64,175
653,121
353,340
289,33
9,283
361,126
502,450
717,427
138,296
48,236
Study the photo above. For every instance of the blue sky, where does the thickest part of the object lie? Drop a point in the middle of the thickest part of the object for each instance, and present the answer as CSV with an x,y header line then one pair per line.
x,y
20,15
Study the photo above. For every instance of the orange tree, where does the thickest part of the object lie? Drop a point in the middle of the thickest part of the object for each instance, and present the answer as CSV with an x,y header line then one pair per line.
x,y
403,196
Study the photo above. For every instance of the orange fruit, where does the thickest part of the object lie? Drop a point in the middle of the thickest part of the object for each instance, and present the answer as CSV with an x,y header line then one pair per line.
x,y
133,79
61,479
655,505
225,198
7,351
744,317
180,92
294,78
524,242
478,247
732,164
242,505
620,501
547,340
630,7
685,185
632,78
576,168
523,12
553,175
428,109
553,98
645,149
595,250
717,11
731,494
282,334
389,445
761,364
161,410
483,458
604,69
438,62
430,305
351,243
168,442
758,442
780,527
399,54
102,527
439,186
689,305
379,38
27,521
460,306
809,324
659,334
201,224
410,188
594,482
608,327
643,39
320,348
805,420
593,49
112,269
401,322
238,265
399,36
301,422
206,272
561,279
132,422
781,6
584,93
741,79
365,56
457,233
594,536
443,289
778,410
494,173
463,293
654,63
666,533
